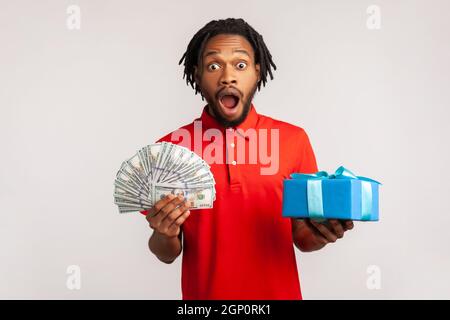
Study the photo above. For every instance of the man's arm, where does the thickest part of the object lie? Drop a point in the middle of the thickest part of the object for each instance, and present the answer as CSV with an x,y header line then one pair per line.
x,y
166,218
309,235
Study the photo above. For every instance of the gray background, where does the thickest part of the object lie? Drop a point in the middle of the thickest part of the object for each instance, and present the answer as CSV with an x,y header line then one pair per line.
x,y
76,103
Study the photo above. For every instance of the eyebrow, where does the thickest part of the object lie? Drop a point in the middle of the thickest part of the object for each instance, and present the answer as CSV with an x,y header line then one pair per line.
x,y
213,52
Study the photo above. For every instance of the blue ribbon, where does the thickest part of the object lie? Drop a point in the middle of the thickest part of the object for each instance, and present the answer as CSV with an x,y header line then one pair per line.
x,y
314,191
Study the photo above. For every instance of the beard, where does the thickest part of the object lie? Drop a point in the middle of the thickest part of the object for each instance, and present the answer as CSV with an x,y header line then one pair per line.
x,y
245,110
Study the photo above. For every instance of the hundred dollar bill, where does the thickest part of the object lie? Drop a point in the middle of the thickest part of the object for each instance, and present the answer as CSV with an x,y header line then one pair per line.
x,y
197,198
120,195
176,161
126,209
159,169
130,181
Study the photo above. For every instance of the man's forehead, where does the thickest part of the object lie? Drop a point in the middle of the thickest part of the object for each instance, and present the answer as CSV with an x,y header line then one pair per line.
x,y
211,52
234,43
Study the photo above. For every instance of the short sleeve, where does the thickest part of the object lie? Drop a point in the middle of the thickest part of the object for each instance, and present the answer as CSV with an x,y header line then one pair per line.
x,y
307,161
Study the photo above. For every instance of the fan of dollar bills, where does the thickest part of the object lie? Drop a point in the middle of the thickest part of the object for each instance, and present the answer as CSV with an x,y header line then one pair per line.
x,y
158,170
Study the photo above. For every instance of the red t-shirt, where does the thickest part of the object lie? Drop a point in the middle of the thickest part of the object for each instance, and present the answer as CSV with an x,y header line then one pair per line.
x,y
242,248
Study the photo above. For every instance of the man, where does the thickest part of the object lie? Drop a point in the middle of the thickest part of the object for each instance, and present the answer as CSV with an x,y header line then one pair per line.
x,y
242,248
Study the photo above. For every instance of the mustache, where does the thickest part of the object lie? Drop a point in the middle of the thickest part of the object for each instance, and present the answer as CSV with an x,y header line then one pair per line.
x,y
228,91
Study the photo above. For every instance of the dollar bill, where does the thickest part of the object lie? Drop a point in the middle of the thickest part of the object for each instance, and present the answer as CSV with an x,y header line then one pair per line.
x,y
158,170
197,198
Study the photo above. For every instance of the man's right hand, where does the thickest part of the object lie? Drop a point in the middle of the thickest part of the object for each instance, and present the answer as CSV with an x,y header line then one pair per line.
x,y
168,214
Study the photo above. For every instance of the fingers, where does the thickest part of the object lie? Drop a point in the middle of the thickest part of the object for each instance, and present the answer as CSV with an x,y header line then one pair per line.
x,y
164,207
348,224
336,228
158,206
175,226
173,217
330,236
333,229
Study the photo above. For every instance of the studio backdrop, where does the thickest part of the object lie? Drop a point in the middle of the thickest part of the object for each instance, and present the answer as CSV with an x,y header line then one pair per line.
x,y
85,84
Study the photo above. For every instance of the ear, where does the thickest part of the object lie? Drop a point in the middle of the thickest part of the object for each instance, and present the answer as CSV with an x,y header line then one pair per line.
x,y
197,80
196,75
258,71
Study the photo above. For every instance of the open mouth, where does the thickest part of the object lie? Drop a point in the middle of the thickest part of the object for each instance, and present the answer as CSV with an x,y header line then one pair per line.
x,y
229,101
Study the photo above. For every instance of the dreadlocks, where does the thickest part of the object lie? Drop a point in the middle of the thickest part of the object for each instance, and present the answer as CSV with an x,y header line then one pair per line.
x,y
193,55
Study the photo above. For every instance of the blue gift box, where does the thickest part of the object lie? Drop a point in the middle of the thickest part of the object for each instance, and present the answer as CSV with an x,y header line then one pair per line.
x,y
341,195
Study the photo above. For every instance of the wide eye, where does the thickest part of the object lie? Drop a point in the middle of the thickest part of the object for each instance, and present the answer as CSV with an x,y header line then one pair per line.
x,y
242,65
210,67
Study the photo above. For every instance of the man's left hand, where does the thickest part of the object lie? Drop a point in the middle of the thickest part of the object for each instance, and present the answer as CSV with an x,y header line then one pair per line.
x,y
310,235
332,229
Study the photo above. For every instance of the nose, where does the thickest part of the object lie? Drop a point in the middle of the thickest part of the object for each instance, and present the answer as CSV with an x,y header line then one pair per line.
x,y
228,76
